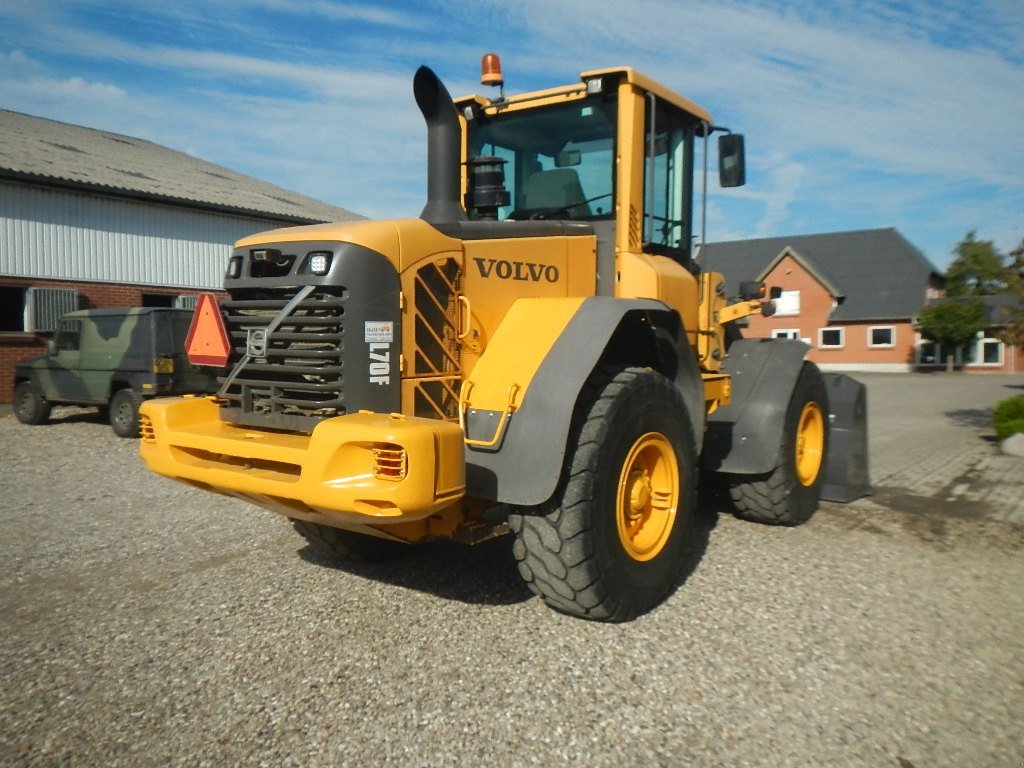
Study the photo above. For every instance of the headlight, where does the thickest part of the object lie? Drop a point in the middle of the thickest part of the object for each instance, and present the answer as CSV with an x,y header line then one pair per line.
x,y
319,262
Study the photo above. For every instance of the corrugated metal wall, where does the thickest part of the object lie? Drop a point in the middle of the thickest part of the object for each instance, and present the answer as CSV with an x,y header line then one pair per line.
x,y
68,235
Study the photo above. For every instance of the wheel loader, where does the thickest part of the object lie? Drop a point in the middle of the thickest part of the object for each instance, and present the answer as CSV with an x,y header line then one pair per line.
x,y
538,353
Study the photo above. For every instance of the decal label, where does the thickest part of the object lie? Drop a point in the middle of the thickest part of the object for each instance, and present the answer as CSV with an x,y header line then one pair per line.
x,y
380,363
379,331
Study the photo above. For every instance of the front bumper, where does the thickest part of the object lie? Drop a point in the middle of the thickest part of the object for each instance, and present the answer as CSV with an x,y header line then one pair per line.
x,y
359,469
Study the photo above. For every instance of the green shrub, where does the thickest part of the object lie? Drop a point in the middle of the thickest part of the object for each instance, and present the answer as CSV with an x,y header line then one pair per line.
x,y
1008,417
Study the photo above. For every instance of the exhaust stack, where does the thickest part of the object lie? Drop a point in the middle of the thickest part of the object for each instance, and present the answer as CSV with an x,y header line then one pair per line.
x,y
444,149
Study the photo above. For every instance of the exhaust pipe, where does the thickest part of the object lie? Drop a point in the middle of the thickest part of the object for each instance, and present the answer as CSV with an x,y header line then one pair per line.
x,y
444,149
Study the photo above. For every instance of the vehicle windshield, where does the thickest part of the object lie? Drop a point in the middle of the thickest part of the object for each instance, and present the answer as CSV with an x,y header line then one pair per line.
x,y
559,160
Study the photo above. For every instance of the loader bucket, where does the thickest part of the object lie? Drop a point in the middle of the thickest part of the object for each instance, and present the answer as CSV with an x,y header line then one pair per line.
x,y
846,464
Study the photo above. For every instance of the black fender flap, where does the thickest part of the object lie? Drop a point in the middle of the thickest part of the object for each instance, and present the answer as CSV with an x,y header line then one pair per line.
x,y
743,438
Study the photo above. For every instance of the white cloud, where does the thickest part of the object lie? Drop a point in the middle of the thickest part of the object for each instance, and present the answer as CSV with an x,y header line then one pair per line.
x,y
863,113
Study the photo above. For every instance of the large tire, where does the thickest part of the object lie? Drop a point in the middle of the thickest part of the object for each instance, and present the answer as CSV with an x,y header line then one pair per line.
x,y
349,546
30,407
124,412
609,544
789,494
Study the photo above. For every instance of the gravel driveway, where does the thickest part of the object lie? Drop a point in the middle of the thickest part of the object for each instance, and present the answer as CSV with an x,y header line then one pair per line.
x,y
145,623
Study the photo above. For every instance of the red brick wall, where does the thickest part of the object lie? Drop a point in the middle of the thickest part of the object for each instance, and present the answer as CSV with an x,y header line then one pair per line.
x,y
21,346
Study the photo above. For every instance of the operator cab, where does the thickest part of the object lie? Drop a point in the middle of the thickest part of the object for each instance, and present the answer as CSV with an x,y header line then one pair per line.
x,y
553,155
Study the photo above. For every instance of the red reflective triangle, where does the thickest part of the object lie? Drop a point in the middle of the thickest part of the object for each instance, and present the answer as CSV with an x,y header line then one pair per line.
x,y
207,342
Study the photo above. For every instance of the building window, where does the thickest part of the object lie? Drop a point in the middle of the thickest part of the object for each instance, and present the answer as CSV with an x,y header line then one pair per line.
x,y
881,336
831,338
990,351
12,309
158,299
45,306
788,304
786,333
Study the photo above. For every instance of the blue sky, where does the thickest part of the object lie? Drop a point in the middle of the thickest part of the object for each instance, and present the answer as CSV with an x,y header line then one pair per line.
x,y
858,113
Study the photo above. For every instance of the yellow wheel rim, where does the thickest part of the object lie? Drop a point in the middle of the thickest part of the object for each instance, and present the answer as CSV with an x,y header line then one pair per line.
x,y
810,444
648,497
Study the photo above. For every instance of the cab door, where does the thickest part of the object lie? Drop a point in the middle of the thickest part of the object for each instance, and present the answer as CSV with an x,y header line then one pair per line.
x,y
61,379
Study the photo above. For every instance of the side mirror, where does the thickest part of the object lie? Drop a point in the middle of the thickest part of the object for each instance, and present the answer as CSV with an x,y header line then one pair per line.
x,y
732,171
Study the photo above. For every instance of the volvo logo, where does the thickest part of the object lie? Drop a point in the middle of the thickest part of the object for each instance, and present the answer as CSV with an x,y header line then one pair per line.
x,y
517,270
256,343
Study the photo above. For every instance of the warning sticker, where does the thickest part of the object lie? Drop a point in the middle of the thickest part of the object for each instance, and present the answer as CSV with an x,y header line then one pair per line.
x,y
380,332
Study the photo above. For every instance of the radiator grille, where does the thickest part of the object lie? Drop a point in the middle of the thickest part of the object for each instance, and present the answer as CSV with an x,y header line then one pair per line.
x,y
436,363
299,380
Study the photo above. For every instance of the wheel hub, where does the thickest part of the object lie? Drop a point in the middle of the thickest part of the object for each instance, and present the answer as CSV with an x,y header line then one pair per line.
x,y
639,493
648,496
809,448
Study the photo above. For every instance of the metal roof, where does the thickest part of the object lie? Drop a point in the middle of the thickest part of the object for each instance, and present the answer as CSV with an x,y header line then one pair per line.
x,y
873,274
52,153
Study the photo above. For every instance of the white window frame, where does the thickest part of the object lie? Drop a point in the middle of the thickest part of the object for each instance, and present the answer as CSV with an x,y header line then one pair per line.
x,y
788,304
892,336
842,338
980,355
786,333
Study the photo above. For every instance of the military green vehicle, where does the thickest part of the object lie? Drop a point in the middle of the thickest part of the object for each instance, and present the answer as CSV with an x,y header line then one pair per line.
x,y
111,358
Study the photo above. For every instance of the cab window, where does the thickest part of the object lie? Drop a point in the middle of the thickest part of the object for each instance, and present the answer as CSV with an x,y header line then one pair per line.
x,y
559,160
68,336
668,192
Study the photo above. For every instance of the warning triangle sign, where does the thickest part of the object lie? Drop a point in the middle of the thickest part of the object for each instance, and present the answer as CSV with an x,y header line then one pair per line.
x,y
207,342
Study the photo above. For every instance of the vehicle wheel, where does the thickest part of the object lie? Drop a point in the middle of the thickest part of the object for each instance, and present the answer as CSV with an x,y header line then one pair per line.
x,y
124,412
789,494
30,407
350,546
609,543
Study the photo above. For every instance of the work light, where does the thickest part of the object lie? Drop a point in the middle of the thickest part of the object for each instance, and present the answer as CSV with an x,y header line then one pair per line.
x,y
319,262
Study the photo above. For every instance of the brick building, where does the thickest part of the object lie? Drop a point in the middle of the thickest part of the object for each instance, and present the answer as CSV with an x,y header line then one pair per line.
x,y
854,297
92,219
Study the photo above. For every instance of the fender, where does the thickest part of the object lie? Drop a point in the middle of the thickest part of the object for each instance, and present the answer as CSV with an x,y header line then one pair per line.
x,y
743,437
517,438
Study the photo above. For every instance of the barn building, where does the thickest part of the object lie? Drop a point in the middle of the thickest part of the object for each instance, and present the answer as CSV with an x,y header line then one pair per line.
x,y
92,219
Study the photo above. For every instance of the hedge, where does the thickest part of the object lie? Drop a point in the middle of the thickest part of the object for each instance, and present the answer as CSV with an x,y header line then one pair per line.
x,y
1008,417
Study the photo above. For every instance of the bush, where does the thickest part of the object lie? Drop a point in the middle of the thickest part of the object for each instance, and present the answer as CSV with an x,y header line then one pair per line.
x,y
1008,417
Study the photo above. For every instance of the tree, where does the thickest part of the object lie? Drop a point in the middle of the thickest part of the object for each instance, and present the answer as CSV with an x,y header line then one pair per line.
x,y
977,270
953,323
1014,331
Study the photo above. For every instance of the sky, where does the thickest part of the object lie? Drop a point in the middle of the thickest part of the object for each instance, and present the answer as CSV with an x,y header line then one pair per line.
x,y
858,114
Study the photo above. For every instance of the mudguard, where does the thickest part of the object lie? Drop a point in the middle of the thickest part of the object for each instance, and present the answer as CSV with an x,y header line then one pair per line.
x,y
516,458
743,437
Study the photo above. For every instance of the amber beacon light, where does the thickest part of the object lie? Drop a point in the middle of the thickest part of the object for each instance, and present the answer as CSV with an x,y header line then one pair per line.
x,y
490,70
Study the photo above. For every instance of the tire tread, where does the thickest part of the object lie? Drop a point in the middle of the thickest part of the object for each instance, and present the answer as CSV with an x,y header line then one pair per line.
x,y
554,546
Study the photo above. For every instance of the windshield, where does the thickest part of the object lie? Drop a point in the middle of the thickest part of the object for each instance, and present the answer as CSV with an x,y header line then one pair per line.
x,y
559,161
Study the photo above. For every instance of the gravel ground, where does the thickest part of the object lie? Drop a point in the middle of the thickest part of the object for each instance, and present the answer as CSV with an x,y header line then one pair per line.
x,y
146,623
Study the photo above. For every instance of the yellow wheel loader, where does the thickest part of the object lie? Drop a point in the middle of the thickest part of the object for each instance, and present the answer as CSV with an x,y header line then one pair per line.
x,y
538,353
